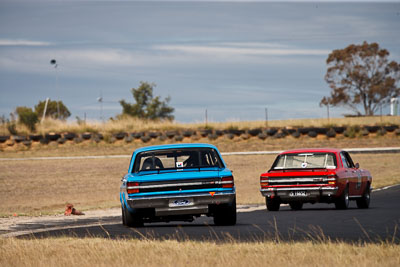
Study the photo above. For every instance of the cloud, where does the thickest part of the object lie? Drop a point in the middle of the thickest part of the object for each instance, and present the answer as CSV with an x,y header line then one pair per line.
x,y
242,49
100,56
115,61
10,42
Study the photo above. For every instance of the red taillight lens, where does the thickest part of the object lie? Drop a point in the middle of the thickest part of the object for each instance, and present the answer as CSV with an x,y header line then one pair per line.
x,y
332,179
132,187
264,181
227,182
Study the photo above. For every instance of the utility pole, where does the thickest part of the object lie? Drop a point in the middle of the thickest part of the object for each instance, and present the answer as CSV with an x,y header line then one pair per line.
x,y
266,117
206,118
100,100
54,62
327,111
45,110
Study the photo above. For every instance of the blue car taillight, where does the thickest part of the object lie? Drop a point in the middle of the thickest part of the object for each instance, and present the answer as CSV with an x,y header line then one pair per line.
x,y
227,182
132,187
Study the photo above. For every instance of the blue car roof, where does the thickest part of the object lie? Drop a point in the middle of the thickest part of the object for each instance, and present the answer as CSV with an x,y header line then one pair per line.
x,y
169,146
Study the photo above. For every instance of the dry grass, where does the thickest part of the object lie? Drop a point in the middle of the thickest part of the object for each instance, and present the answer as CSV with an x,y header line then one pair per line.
x,y
44,187
41,187
102,252
319,122
135,125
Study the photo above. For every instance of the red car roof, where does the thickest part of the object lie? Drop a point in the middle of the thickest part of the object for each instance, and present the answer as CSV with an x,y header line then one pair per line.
x,y
313,150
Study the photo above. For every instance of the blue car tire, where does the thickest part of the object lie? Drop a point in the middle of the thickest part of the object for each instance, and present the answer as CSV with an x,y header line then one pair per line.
x,y
226,214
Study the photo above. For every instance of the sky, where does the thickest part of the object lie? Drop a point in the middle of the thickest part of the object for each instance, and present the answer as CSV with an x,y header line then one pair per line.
x,y
233,59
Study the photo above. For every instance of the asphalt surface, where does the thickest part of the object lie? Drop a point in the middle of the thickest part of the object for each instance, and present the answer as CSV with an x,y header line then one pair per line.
x,y
314,222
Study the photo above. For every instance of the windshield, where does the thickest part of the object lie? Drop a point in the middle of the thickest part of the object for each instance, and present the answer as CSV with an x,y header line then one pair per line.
x,y
305,161
177,159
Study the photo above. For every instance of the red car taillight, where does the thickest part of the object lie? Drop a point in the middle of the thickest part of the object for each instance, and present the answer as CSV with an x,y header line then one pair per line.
x,y
264,181
132,187
332,179
227,182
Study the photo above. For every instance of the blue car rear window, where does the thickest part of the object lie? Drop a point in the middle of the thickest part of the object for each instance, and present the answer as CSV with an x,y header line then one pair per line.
x,y
175,159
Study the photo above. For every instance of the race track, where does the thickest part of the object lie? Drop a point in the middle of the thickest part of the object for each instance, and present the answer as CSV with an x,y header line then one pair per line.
x,y
315,222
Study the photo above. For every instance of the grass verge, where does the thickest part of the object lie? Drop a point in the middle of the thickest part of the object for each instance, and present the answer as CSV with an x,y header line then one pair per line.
x,y
105,252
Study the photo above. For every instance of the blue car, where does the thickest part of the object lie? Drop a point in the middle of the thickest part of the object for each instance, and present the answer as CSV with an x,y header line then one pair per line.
x,y
177,182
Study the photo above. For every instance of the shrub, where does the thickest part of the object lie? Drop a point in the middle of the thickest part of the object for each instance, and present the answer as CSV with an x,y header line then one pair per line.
x,y
147,106
12,127
27,117
350,132
55,110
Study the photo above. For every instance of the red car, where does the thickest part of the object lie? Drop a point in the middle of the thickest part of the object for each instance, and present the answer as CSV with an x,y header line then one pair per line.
x,y
315,175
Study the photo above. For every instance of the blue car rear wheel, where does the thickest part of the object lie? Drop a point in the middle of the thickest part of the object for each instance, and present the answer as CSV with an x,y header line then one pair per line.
x,y
225,214
131,220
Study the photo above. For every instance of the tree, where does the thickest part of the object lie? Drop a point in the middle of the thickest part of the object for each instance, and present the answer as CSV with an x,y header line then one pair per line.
x,y
52,109
27,117
147,106
361,75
